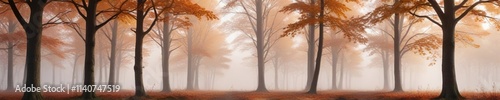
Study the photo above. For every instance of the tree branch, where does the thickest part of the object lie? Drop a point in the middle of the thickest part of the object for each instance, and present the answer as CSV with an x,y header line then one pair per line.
x,y
468,10
422,16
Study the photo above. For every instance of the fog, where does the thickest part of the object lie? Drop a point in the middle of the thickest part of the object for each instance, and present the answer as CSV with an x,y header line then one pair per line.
x,y
228,58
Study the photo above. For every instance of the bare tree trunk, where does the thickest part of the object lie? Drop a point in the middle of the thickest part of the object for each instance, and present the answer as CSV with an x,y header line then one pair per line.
x,y
397,52
139,86
334,68
276,63
33,29
449,85
112,59
196,76
90,31
166,53
342,65
190,73
118,66
314,83
385,62
261,87
10,57
101,58
310,50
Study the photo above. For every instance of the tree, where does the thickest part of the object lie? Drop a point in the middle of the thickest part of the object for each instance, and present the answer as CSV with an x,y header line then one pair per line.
x,y
263,29
175,14
33,29
335,20
92,12
143,8
448,22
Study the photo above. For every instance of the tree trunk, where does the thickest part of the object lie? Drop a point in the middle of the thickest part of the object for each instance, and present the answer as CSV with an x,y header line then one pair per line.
x,y
342,65
385,62
261,87
310,51
314,83
449,85
166,53
90,24
397,54
112,59
33,29
101,67
10,57
276,73
75,62
118,66
190,73
334,68
139,86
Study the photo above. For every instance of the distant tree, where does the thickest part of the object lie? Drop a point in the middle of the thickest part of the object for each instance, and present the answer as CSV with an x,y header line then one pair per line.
x,y
175,14
111,9
335,19
263,28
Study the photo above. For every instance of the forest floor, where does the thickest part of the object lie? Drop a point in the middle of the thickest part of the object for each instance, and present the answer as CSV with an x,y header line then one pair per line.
x,y
275,95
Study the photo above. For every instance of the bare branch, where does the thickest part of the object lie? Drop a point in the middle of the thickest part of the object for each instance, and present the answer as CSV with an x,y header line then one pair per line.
x,y
423,16
469,9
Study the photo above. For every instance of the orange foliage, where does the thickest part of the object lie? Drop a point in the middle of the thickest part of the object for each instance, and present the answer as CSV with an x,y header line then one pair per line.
x,y
335,18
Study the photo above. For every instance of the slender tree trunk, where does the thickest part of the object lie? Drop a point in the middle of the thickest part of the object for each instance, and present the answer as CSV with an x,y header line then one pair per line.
x,y
166,53
190,73
91,29
118,66
196,75
101,58
449,85
112,59
385,62
310,50
397,54
314,83
276,72
75,62
139,86
334,68
261,87
10,57
342,65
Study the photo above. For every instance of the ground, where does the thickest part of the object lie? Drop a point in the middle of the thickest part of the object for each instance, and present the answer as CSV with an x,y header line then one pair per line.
x,y
280,95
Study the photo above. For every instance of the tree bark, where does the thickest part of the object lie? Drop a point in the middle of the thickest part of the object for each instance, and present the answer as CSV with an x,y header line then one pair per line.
x,y
91,29
276,63
342,65
166,53
397,52
385,62
112,59
190,76
261,87
334,68
310,50
10,57
33,29
139,86
314,83
449,85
